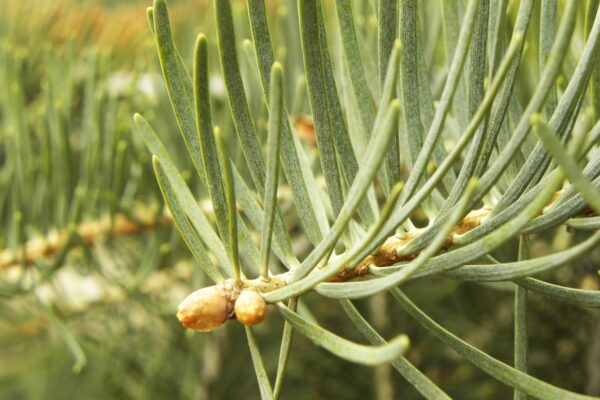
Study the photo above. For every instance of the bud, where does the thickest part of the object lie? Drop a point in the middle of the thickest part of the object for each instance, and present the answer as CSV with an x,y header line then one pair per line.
x,y
250,307
206,309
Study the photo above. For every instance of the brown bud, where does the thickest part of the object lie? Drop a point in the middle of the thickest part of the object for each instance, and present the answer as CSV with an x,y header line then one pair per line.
x,y
250,307
206,309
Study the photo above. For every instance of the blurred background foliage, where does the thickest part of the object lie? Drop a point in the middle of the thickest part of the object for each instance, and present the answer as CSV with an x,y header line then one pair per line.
x,y
95,318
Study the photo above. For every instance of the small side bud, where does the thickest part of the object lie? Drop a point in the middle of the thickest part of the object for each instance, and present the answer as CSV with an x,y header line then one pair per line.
x,y
205,309
250,307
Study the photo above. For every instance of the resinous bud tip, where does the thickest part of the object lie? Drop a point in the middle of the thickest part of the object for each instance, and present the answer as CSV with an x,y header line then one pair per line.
x,y
205,309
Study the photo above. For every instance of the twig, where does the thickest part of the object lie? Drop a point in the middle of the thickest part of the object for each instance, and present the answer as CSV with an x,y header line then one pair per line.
x,y
91,231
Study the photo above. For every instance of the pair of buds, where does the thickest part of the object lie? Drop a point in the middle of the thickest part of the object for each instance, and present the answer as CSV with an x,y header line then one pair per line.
x,y
208,308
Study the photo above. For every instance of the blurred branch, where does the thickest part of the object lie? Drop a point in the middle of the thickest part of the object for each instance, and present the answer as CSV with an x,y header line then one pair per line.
x,y
143,219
